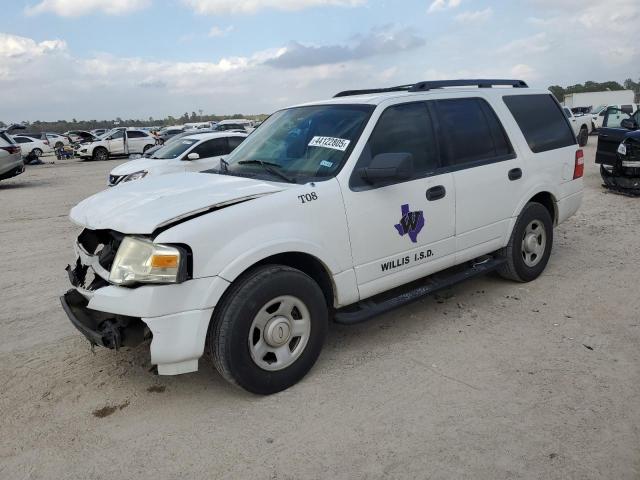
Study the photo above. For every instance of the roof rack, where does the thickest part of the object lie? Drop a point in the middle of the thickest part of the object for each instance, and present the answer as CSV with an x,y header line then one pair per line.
x,y
433,84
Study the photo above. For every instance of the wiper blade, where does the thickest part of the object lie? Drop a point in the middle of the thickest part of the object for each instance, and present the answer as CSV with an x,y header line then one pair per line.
x,y
272,168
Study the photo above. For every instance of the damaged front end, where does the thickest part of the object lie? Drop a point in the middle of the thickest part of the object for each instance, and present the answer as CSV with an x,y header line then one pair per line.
x,y
623,175
96,250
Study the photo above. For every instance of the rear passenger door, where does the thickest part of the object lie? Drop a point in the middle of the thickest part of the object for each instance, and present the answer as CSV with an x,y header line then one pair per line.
x,y
487,174
403,230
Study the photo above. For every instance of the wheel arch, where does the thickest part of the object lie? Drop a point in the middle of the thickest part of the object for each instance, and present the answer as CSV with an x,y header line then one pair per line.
x,y
306,263
544,196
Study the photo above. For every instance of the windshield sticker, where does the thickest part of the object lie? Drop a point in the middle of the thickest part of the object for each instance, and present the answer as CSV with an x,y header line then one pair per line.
x,y
411,223
324,163
330,142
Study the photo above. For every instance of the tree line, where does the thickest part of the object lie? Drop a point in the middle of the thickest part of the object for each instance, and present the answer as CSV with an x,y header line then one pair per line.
x,y
628,84
60,126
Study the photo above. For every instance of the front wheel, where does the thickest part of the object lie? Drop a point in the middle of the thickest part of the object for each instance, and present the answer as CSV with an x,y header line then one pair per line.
x,y
101,154
529,247
269,328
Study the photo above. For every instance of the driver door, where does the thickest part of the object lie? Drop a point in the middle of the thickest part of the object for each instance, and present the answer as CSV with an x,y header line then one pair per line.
x,y
611,134
116,144
404,229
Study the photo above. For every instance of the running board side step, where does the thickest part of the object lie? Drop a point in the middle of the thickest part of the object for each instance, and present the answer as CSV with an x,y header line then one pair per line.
x,y
398,297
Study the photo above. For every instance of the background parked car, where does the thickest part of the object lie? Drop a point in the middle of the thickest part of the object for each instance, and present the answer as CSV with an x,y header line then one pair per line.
x,y
117,142
168,132
79,136
34,146
11,163
192,153
581,125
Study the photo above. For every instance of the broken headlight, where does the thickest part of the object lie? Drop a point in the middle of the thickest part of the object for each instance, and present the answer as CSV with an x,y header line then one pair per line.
x,y
141,261
135,176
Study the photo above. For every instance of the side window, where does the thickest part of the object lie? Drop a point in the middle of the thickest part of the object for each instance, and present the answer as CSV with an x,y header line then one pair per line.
x,y
135,134
117,135
471,131
405,128
211,148
21,140
541,121
613,118
234,142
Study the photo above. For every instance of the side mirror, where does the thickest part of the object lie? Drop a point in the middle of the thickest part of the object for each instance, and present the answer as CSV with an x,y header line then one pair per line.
x,y
193,156
386,167
629,124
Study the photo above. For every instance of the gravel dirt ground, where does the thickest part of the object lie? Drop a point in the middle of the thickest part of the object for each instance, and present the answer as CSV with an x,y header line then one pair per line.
x,y
488,380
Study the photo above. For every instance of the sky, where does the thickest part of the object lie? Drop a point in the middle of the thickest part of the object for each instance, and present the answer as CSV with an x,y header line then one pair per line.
x,y
102,59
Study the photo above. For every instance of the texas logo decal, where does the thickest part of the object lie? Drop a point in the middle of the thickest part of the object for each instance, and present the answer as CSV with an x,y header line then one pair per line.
x,y
411,223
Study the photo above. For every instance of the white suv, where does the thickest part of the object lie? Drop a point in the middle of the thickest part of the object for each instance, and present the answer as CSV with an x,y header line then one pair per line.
x,y
337,209
117,142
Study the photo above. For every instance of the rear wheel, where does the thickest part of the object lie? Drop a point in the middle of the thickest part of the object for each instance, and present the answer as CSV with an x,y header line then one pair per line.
x,y
59,145
37,152
146,147
101,153
529,247
583,136
269,328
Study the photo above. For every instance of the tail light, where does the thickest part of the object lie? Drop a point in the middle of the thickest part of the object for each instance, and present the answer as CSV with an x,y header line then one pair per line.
x,y
12,149
46,142
578,169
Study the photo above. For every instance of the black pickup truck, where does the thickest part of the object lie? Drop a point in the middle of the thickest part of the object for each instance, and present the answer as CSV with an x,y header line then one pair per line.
x,y
619,151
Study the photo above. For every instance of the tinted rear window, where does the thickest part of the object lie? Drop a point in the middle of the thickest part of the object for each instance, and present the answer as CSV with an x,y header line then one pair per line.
x,y
541,120
472,131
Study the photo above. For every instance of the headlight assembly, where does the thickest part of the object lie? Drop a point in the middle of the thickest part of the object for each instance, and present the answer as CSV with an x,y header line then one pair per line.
x,y
622,149
135,176
141,261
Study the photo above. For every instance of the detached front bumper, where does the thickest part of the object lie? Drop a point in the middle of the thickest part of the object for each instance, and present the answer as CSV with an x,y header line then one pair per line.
x,y
100,328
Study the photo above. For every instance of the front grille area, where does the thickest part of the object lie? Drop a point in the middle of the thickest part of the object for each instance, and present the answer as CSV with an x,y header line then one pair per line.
x,y
96,251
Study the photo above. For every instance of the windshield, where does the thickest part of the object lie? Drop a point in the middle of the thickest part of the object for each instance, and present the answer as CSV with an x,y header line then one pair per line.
x,y
302,143
174,150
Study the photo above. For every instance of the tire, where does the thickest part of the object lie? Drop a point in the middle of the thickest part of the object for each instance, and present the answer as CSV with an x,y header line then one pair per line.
x,y
101,154
238,338
59,145
146,147
534,223
583,136
37,152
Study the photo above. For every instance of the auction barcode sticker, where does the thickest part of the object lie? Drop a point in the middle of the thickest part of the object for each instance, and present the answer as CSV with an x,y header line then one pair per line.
x,y
330,142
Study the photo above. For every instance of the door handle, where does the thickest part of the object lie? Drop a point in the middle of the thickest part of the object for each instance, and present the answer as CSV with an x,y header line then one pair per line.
x,y
436,193
515,174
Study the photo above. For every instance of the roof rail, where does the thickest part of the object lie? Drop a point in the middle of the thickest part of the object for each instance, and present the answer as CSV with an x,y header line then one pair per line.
x,y
348,93
481,83
432,84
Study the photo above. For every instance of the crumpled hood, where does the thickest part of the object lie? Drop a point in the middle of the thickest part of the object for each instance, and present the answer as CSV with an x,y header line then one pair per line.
x,y
141,207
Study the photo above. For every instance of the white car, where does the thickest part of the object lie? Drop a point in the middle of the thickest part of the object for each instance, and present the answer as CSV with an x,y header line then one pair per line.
x,y
56,140
192,153
339,209
32,145
117,142
598,113
580,124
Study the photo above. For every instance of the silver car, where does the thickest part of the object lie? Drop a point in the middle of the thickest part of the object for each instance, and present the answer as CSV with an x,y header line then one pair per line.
x,y
11,163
